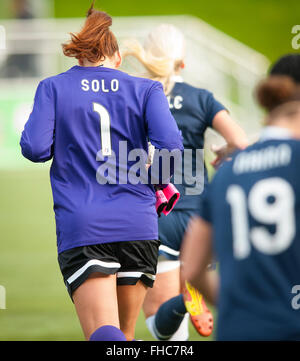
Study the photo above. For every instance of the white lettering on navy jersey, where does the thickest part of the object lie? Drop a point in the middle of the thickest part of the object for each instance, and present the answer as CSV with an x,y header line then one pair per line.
x,y
96,85
175,102
261,160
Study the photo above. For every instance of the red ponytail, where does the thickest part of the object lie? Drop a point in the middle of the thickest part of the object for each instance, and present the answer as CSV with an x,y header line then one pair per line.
x,y
95,41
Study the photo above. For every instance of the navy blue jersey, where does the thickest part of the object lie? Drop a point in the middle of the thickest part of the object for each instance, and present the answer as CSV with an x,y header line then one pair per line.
x,y
79,119
253,205
194,110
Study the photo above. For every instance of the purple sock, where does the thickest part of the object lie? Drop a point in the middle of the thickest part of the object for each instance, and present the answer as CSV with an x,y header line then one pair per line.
x,y
108,333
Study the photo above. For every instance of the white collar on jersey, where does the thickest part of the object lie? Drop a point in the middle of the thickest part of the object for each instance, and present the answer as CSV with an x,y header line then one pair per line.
x,y
176,79
273,132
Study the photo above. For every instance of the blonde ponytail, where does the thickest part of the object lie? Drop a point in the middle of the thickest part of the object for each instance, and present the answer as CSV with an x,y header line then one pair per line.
x,y
161,56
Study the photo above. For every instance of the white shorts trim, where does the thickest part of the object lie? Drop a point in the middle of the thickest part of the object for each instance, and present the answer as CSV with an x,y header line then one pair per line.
x,y
169,250
90,263
135,275
167,265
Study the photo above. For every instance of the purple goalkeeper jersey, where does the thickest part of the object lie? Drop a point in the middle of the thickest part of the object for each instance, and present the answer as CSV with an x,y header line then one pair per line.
x,y
79,119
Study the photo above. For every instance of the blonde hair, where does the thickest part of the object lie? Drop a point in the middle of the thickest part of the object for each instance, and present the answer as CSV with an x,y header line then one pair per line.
x,y
162,54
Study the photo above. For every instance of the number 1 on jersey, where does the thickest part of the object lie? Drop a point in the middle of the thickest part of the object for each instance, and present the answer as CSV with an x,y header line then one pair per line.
x,y
105,128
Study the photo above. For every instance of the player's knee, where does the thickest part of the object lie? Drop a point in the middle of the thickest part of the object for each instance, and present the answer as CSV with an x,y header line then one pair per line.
x,y
150,308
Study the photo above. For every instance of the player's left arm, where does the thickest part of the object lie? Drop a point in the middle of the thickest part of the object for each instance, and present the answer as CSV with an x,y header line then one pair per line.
x,y
196,254
233,134
218,118
38,134
163,133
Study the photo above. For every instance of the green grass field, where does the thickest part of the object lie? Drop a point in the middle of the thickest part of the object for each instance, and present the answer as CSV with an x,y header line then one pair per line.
x,y
38,306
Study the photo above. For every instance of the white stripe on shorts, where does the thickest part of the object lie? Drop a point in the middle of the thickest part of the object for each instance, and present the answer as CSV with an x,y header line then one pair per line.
x,y
167,265
90,263
169,250
134,275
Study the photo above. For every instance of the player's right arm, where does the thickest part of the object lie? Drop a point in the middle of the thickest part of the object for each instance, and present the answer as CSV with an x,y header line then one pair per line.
x,y
38,134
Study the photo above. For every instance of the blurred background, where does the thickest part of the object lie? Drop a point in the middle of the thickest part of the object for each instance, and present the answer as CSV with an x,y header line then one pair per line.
x,y
230,45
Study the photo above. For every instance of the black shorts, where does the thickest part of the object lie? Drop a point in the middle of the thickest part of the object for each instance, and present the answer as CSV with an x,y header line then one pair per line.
x,y
131,261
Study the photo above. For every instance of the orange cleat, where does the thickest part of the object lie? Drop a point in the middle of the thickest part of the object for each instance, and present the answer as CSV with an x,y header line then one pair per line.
x,y
200,315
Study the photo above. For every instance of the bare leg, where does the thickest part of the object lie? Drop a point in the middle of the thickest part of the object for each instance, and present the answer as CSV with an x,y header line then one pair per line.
x,y
130,299
96,303
166,286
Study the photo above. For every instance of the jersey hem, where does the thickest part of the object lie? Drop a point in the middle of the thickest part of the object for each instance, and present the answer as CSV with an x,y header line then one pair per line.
x,y
91,243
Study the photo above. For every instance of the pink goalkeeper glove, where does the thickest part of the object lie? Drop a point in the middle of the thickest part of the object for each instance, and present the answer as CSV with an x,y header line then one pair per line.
x,y
166,199
172,195
161,202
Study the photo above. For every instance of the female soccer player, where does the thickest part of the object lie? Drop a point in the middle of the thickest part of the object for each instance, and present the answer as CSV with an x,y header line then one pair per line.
x,y
194,110
251,212
89,120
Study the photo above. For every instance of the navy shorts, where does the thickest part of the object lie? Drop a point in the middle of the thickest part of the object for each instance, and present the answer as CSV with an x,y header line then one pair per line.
x,y
131,261
171,230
